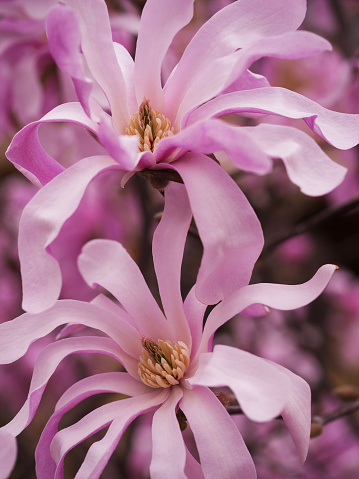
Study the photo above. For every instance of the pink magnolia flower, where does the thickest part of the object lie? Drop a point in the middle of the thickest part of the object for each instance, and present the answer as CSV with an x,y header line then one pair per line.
x,y
180,126
169,362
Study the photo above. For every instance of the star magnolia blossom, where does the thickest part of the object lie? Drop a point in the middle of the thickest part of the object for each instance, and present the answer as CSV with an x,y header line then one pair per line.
x,y
169,362
172,127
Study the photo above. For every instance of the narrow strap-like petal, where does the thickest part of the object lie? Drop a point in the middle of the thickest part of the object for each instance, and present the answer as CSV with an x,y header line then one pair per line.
x,y
65,41
116,382
206,63
119,414
261,389
229,229
168,452
41,222
8,452
168,246
339,129
98,49
160,21
211,136
108,264
45,366
221,448
27,153
306,163
279,296
17,335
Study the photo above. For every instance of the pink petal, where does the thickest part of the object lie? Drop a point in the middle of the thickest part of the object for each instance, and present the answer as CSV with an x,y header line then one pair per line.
x,y
297,413
168,247
339,129
306,163
279,296
98,49
27,153
160,22
120,414
290,45
211,136
260,388
193,469
106,382
205,65
221,448
8,452
108,264
17,335
127,66
122,148
229,229
45,366
194,312
40,224
168,452
64,42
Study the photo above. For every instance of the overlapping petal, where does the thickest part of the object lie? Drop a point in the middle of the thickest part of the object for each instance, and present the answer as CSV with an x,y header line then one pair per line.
x,y
27,153
168,452
165,16
221,448
98,49
260,388
49,209
339,129
279,296
168,247
231,249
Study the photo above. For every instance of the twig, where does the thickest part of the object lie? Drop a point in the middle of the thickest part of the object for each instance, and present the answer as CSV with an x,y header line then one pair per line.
x,y
312,222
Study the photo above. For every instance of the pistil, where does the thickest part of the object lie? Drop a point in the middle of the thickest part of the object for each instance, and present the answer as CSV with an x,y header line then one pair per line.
x,y
150,126
162,364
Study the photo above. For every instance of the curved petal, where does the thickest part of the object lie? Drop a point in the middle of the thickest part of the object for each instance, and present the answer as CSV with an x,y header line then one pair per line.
x,y
211,136
160,21
122,148
8,452
128,70
229,229
194,312
290,45
168,452
205,64
279,296
40,224
106,382
339,129
98,49
120,414
26,152
64,42
221,448
193,469
17,335
45,366
108,264
260,388
306,163
168,247
296,413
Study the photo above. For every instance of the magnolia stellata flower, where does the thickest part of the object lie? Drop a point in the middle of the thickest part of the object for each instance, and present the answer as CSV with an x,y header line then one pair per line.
x,y
152,127
169,362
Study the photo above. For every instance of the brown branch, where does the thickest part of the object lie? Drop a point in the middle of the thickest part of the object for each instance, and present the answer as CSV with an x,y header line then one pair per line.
x,y
312,222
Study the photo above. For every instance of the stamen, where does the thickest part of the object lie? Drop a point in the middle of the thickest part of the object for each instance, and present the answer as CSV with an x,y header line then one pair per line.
x,y
150,126
162,364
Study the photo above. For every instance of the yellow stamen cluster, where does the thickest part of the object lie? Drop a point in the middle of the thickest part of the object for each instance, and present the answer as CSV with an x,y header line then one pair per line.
x,y
150,126
162,364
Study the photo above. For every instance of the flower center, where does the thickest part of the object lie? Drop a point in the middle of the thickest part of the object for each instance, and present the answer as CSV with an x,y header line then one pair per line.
x,y
162,364
150,126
